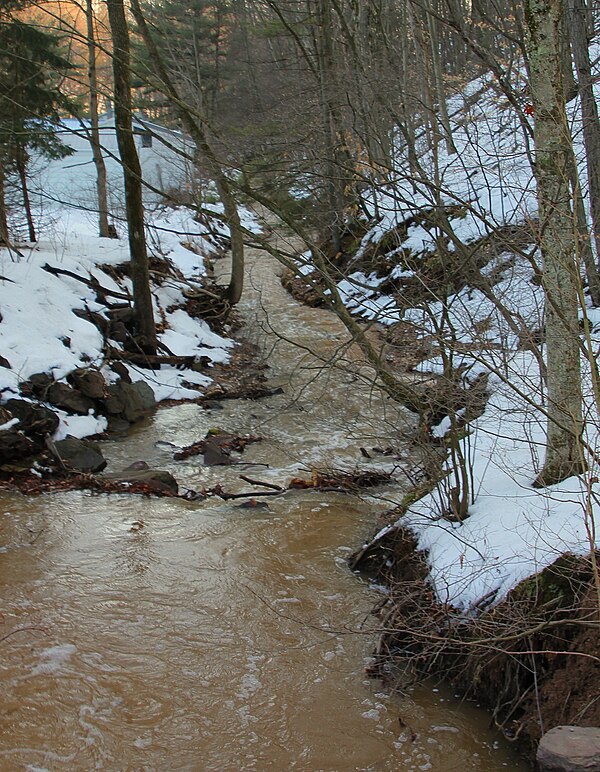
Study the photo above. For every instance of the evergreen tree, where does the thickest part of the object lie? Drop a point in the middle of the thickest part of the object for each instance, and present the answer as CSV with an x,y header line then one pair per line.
x,y
30,101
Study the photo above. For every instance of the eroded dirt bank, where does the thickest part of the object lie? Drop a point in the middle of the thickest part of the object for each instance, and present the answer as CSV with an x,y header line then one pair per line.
x,y
532,659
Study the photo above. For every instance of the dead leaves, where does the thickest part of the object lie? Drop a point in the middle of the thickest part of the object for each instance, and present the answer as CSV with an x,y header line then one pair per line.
x,y
216,447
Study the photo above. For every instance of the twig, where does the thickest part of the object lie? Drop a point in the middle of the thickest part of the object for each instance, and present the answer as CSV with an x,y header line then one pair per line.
x,y
23,630
264,484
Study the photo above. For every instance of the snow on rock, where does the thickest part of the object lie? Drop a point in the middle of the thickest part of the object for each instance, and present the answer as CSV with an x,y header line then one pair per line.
x,y
39,331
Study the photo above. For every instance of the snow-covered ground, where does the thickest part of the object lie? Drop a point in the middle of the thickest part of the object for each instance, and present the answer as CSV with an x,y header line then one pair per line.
x,y
39,331
513,530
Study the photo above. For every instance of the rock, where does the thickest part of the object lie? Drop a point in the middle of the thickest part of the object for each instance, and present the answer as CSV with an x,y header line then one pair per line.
x,y
117,425
216,456
95,318
121,370
117,331
34,420
123,314
137,466
133,406
146,394
253,504
125,400
154,478
113,403
14,444
212,404
90,382
82,455
67,398
4,362
570,749
37,385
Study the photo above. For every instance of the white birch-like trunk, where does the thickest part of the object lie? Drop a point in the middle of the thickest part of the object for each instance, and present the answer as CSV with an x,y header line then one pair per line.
x,y
553,147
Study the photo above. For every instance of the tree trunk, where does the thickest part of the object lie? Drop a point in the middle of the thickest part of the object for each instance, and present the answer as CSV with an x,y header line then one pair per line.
x,y
142,297
198,133
557,240
4,240
438,80
94,136
331,128
566,35
21,164
589,111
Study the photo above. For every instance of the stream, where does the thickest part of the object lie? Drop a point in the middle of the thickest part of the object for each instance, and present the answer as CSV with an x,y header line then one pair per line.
x,y
163,634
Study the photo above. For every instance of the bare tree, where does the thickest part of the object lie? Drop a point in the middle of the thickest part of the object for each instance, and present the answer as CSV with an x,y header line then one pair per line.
x,y
197,128
557,239
94,134
580,40
132,172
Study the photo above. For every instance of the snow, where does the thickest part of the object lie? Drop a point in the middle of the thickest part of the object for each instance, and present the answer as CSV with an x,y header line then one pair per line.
x,y
39,331
513,530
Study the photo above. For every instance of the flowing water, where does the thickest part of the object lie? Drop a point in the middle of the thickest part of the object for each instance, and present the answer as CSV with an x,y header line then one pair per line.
x,y
161,634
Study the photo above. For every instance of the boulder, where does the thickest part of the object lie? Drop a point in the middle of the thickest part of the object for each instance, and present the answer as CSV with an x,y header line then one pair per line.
x,y
570,749
82,455
117,425
113,403
123,314
69,399
133,406
130,401
90,382
4,362
37,385
154,478
34,420
14,444
146,394
120,368
117,331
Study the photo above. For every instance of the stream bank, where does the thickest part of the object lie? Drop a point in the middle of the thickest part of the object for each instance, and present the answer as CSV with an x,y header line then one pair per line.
x,y
205,636
530,659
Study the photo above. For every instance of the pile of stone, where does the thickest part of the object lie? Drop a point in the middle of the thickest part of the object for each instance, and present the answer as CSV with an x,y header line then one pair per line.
x,y
27,424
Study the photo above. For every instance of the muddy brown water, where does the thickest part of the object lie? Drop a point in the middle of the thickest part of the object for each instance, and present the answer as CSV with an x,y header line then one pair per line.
x,y
160,634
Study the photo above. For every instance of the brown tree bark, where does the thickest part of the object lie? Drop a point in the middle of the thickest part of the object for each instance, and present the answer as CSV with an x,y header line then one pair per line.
x,y
142,297
3,216
580,37
21,164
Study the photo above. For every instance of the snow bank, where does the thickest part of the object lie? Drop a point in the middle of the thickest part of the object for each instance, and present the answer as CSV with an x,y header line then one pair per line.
x,y
513,530
39,331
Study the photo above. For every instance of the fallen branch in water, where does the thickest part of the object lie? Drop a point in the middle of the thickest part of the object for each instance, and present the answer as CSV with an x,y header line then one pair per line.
x,y
328,481
244,392
216,447
264,484
23,630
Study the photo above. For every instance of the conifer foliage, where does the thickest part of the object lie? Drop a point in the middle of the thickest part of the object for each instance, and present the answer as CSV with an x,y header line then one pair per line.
x,y
31,65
